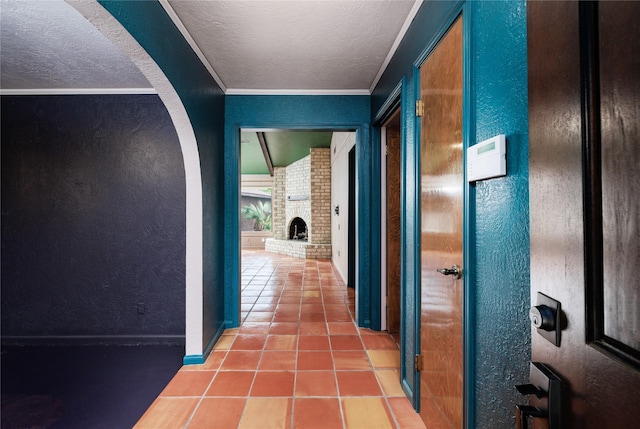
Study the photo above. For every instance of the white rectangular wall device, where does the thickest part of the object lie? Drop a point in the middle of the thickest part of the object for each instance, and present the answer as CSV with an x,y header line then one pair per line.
x,y
487,159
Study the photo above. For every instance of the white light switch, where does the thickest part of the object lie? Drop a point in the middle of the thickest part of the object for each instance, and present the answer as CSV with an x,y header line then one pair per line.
x,y
487,159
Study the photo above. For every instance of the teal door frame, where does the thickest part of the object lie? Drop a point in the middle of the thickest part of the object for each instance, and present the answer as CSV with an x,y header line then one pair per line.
x,y
411,228
232,222
409,290
309,107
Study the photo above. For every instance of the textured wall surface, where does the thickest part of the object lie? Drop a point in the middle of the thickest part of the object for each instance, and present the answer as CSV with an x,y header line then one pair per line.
x,y
499,274
204,102
298,184
320,170
93,217
310,178
502,213
279,205
299,249
298,111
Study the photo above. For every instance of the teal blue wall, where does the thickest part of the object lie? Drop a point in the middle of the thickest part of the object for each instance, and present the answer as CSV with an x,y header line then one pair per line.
x,y
498,237
299,112
497,219
501,243
204,102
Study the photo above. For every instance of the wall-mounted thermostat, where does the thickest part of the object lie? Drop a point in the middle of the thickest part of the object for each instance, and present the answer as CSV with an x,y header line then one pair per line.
x,y
487,159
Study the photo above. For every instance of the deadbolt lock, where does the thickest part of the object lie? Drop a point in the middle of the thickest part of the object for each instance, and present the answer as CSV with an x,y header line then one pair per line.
x,y
546,317
543,317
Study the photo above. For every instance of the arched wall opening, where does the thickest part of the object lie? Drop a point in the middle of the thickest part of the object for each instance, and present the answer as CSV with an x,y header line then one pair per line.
x,y
114,31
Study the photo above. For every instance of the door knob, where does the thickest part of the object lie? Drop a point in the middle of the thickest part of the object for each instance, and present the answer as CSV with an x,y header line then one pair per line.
x,y
453,271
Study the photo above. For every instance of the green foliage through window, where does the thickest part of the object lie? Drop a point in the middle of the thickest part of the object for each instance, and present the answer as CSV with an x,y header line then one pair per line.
x,y
260,214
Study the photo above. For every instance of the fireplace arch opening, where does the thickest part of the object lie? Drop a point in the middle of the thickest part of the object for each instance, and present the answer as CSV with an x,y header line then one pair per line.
x,y
298,229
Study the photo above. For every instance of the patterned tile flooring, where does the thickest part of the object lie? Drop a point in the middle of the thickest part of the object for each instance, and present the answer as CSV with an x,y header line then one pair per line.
x,y
298,360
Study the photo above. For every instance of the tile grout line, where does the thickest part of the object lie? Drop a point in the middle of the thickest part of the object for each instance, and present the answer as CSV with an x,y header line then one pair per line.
x,y
295,364
327,287
255,374
253,381
201,399
335,371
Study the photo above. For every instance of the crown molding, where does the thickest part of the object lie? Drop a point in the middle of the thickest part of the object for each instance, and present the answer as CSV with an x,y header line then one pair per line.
x,y
403,31
185,33
239,91
78,91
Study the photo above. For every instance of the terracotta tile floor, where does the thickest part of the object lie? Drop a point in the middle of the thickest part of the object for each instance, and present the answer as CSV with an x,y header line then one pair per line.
x,y
298,361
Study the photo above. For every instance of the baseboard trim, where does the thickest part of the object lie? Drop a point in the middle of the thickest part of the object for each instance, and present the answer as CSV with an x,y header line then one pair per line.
x,y
200,359
81,340
193,360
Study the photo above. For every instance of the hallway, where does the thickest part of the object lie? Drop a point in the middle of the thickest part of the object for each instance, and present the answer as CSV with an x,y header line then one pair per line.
x,y
297,361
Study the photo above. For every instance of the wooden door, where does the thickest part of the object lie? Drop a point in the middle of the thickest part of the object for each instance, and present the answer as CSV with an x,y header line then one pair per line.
x,y
584,127
441,233
392,127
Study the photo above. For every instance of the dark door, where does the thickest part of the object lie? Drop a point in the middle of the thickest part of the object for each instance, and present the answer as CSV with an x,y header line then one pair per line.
x,y
441,198
351,221
584,125
392,127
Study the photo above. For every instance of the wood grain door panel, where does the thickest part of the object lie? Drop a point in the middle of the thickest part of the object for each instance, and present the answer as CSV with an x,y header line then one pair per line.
x,y
584,140
441,185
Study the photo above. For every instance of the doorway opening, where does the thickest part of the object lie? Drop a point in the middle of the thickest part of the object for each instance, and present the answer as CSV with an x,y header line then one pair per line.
x,y
390,224
294,170
351,276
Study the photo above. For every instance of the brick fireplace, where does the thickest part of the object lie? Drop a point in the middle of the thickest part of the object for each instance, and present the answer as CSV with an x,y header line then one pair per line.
x,y
301,207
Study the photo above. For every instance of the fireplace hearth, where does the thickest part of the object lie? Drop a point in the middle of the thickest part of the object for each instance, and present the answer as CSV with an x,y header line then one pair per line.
x,y
298,230
301,207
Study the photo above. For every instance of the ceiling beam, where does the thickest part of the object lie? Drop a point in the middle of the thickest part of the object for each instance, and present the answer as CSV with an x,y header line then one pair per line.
x,y
265,152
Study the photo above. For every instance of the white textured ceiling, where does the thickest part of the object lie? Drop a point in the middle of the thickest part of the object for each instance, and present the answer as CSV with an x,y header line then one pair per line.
x,y
48,45
294,45
310,46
